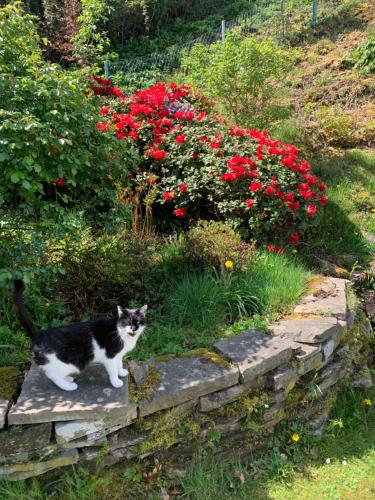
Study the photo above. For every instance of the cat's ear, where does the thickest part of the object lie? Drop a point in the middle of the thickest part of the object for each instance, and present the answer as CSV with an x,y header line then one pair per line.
x,y
143,309
120,312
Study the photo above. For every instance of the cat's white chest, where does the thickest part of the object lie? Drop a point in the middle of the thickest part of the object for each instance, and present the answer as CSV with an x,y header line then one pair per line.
x,y
129,343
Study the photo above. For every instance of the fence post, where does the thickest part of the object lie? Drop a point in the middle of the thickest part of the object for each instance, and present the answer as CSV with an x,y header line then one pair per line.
x,y
106,70
223,30
315,13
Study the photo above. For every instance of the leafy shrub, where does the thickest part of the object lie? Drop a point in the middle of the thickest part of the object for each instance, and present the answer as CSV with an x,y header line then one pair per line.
x,y
211,244
203,168
238,74
334,124
365,56
50,148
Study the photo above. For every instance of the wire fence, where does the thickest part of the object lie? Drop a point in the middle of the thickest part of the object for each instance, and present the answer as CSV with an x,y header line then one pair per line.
x,y
276,18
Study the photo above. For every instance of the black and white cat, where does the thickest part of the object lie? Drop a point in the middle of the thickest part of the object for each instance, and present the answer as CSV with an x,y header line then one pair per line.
x,y
65,351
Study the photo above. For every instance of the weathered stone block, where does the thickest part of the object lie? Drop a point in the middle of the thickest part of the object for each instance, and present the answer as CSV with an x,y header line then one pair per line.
x,y
83,443
307,330
139,371
95,429
220,398
126,437
4,405
329,300
285,377
17,472
186,378
362,378
309,358
43,401
255,353
25,438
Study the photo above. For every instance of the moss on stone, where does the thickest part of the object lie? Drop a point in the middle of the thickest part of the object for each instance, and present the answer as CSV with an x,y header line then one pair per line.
x,y
202,353
164,429
147,389
247,404
9,381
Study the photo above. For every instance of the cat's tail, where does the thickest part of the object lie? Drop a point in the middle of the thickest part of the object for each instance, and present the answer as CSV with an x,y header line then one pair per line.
x,y
17,288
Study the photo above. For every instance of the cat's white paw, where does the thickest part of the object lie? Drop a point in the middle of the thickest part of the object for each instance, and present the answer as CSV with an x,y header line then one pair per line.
x,y
70,386
123,372
117,383
68,378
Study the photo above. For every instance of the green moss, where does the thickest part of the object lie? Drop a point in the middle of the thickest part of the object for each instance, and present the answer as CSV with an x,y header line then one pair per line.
x,y
9,381
147,389
164,429
247,404
202,353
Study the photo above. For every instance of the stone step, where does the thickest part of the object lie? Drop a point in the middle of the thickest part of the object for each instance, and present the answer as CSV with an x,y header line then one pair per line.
x,y
255,352
42,401
186,378
328,300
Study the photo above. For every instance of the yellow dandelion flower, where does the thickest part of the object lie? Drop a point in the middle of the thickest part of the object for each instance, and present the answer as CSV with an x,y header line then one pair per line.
x,y
295,437
294,250
228,264
367,402
373,210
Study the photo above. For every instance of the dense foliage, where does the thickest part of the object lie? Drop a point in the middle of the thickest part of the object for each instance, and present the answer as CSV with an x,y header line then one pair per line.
x,y
237,73
50,148
197,165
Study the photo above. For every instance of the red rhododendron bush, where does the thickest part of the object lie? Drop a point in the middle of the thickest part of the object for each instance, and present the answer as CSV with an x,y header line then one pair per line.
x,y
198,165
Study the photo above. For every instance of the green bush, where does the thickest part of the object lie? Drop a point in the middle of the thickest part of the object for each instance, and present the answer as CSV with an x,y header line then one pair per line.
x,y
50,148
238,74
211,244
365,56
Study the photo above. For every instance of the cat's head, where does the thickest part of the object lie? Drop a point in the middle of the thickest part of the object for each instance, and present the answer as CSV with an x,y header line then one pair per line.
x,y
131,321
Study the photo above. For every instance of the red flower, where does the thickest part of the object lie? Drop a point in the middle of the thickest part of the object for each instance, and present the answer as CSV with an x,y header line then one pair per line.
x,y
150,181
102,126
169,195
180,139
195,156
293,205
183,187
180,212
60,182
255,186
323,199
215,145
322,186
269,190
312,209
228,177
105,110
294,238
249,203
289,197
158,154
273,248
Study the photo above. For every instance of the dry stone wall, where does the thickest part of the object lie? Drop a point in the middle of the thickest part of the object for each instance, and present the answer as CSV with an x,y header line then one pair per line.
x,y
239,391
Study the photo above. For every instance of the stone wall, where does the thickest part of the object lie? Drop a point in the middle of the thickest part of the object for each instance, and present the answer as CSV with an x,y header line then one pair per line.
x,y
235,394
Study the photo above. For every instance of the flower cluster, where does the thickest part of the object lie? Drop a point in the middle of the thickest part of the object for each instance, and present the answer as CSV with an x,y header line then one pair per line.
x,y
203,166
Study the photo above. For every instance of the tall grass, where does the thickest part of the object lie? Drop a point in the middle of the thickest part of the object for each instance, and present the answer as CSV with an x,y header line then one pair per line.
x,y
201,306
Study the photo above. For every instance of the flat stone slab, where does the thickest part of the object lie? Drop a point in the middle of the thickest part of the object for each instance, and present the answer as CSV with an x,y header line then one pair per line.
x,y
328,300
4,405
23,471
255,352
186,378
307,330
42,401
25,438
94,429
